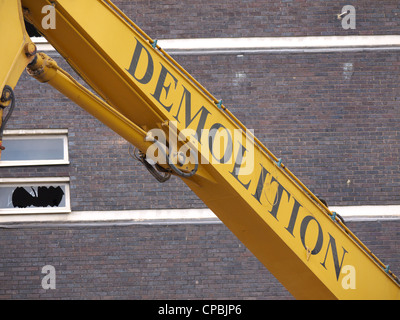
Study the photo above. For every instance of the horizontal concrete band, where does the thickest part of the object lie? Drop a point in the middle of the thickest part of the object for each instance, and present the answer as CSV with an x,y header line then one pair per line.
x,y
281,42
180,216
260,44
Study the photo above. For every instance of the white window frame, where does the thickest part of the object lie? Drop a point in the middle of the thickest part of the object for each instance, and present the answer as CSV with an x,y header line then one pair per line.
x,y
43,133
37,182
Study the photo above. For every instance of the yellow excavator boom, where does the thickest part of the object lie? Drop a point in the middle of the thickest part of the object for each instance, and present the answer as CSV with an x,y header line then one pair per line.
x,y
144,94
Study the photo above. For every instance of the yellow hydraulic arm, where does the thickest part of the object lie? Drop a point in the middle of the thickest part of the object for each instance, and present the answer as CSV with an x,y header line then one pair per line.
x,y
16,52
144,93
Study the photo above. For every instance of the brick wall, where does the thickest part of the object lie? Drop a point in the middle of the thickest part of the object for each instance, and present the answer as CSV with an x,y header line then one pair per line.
x,y
130,262
255,18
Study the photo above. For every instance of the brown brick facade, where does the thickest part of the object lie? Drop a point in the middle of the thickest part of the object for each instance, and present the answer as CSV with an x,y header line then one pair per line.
x,y
151,262
254,18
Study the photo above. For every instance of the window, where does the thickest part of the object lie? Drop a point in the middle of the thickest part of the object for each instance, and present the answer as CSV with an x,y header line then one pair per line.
x,y
34,147
34,195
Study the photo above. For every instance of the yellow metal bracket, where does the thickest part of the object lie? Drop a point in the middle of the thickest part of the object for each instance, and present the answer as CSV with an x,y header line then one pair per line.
x,y
17,50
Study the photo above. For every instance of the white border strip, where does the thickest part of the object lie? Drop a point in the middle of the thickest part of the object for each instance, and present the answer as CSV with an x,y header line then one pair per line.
x,y
191,216
267,43
281,42
368,212
138,216
13,132
34,180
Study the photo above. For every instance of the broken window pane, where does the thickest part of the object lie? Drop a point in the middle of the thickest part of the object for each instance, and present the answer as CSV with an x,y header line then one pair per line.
x,y
34,197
